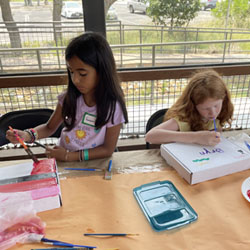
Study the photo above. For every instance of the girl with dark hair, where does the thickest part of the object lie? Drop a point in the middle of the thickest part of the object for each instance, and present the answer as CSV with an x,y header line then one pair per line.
x,y
203,108
93,107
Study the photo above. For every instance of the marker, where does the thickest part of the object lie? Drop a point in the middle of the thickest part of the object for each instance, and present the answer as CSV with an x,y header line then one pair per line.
x,y
84,169
215,129
247,144
108,173
110,166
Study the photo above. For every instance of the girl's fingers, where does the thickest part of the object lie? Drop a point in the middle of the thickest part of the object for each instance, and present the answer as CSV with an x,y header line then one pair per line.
x,y
217,134
48,152
11,138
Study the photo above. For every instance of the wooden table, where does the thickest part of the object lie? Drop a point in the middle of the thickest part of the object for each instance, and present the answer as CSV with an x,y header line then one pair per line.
x,y
91,203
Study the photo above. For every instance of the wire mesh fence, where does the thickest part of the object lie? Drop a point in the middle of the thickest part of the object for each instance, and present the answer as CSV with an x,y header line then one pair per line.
x,y
143,98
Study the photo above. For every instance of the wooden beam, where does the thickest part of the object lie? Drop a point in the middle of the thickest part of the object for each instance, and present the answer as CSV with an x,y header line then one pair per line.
x,y
125,75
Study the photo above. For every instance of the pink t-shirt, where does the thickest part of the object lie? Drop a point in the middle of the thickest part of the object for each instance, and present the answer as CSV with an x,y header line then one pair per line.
x,y
84,135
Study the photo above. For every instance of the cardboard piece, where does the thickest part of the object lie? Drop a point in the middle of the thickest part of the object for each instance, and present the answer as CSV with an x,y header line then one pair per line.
x,y
39,180
197,163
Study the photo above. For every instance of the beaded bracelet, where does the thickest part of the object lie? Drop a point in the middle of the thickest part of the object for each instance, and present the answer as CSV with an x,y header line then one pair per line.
x,y
33,134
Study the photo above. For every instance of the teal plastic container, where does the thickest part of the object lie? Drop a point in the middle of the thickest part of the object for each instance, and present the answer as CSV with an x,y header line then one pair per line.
x,y
164,206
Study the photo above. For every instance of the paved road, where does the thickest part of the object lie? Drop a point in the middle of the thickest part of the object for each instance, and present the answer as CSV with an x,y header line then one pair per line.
x,y
43,13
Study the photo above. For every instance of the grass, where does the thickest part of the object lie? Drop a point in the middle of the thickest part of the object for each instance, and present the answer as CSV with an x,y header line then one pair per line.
x,y
156,36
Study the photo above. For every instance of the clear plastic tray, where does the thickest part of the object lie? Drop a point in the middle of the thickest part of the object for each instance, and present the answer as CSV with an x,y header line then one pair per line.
x,y
164,206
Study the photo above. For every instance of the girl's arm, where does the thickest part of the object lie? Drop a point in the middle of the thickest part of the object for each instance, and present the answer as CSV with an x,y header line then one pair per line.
x,y
109,145
43,130
169,132
47,129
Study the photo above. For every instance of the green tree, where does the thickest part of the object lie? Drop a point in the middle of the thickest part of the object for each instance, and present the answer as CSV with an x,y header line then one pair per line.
x,y
239,12
173,12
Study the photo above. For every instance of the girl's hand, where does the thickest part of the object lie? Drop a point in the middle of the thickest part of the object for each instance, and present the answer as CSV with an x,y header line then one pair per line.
x,y
60,153
12,137
208,138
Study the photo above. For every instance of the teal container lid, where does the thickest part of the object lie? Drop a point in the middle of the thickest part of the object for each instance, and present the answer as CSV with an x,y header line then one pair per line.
x,y
164,206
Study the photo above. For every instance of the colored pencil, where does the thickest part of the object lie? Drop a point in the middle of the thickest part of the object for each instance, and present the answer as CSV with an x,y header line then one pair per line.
x,y
33,157
84,169
110,234
110,165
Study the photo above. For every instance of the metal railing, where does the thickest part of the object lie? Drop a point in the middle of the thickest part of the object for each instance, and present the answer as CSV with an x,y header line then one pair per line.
x,y
43,45
126,56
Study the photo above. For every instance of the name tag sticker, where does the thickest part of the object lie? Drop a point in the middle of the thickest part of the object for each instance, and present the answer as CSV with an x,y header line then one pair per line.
x,y
89,119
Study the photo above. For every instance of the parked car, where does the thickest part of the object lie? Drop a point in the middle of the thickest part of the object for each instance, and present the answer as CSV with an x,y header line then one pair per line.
x,y
208,4
72,9
112,14
137,5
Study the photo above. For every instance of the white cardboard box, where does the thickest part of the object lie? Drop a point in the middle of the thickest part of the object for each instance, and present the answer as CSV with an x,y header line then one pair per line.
x,y
42,185
196,163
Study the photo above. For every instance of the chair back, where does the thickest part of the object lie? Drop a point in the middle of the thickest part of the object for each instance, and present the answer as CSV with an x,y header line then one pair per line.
x,y
24,119
154,120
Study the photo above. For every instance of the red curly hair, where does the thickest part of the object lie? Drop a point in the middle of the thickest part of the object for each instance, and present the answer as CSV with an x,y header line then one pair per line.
x,y
202,85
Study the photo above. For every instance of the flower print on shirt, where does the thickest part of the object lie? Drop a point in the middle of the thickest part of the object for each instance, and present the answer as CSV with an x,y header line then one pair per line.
x,y
67,140
80,134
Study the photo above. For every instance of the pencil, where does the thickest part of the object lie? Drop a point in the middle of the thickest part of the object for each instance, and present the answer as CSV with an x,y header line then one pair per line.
x,y
33,157
110,234
84,169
